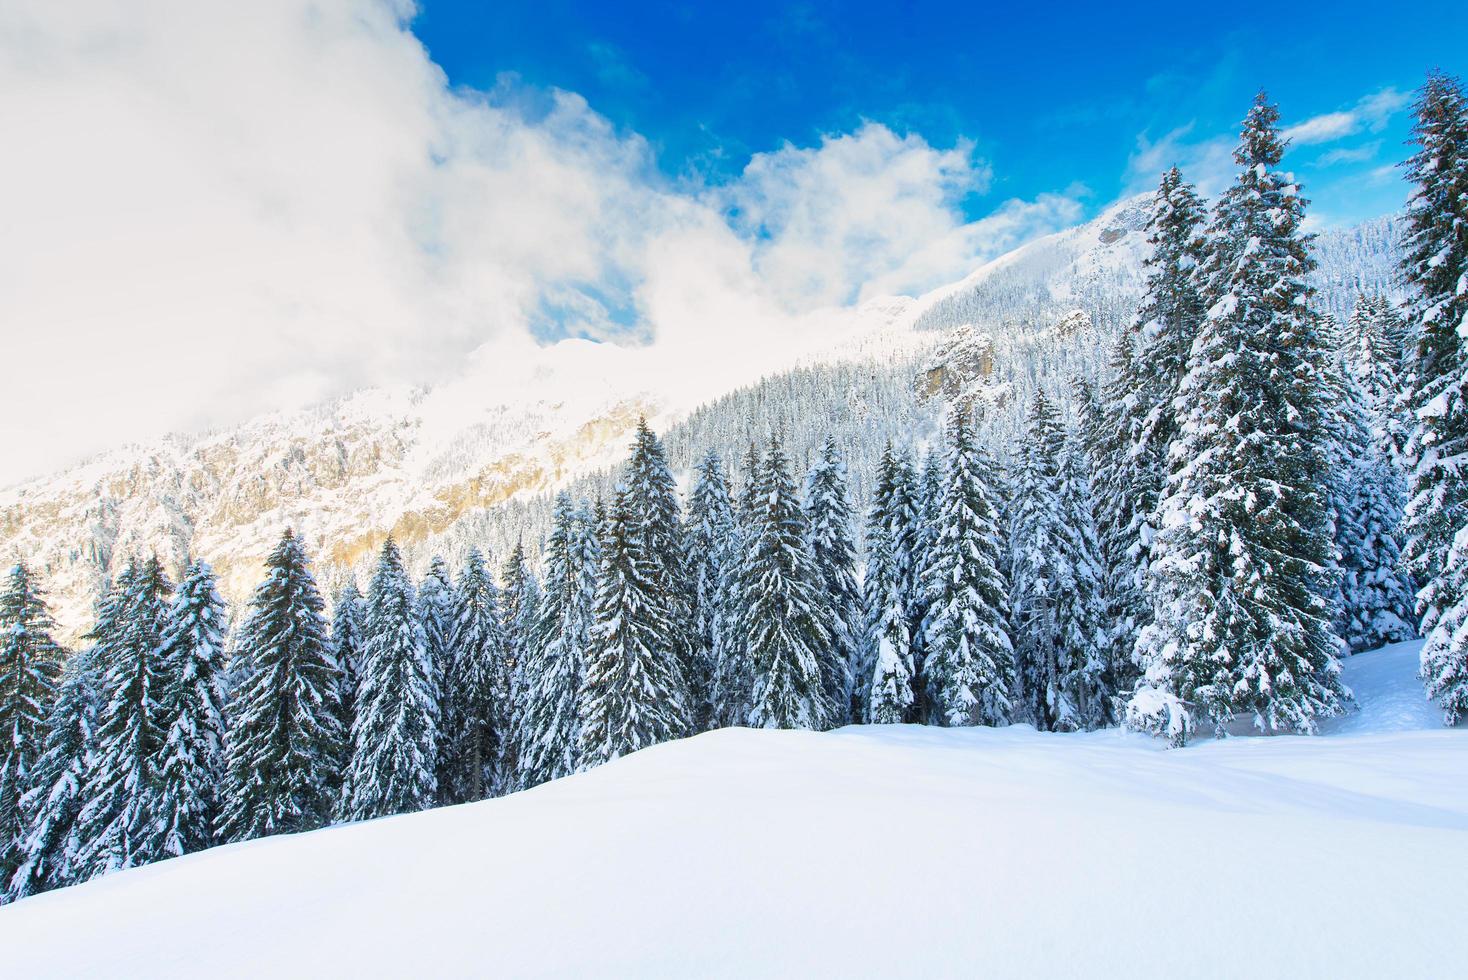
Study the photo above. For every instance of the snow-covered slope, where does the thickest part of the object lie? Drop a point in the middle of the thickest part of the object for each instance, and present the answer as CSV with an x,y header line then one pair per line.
x,y
470,462
886,851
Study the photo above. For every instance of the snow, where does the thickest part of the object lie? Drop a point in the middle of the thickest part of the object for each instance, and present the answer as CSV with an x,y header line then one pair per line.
x,y
881,851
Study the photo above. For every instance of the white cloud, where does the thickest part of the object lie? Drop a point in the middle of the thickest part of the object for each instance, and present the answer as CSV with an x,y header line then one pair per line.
x,y
216,209
1207,162
1371,113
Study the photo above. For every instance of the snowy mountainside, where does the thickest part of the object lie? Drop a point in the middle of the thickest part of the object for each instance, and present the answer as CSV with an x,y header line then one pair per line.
x,y
792,853
470,463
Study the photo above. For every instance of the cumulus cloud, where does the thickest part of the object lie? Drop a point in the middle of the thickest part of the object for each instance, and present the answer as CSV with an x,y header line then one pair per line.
x,y
216,209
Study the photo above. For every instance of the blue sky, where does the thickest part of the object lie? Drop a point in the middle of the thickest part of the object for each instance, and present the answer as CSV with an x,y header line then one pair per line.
x,y
1049,95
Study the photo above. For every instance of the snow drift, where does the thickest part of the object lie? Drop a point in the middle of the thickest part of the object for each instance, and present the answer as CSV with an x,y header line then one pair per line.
x,y
889,851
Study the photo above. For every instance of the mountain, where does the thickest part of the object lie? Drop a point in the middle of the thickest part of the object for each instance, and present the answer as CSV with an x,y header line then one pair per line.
x,y
471,462
916,852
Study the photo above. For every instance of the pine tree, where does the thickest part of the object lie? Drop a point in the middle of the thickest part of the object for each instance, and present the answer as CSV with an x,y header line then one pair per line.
x,y
1147,366
30,663
1083,671
348,638
634,694
555,662
829,541
521,603
1436,270
1239,625
120,823
1375,355
284,744
969,671
53,801
395,740
192,661
655,516
785,619
476,711
712,536
437,606
887,663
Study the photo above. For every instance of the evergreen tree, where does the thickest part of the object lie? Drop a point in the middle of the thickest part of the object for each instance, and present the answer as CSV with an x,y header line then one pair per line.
x,y
969,672
284,747
30,663
829,540
54,799
1239,625
438,612
192,660
395,740
1036,568
1436,268
476,711
634,693
348,638
521,608
1147,366
120,823
887,663
712,535
555,662
655,516
1083,670
1375,355
786,616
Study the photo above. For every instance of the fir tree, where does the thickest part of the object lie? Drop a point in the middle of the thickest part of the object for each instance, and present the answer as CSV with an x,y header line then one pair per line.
x,y
969,671
437,605
284,744
395,739
829,540
1239,625
1147,366
1374,352
30,663
348,638
887,664
634,693
120,823
53,801
1083,672
785,619
521,604
192,660
1436,269
712,535
655,516
555,662
476,710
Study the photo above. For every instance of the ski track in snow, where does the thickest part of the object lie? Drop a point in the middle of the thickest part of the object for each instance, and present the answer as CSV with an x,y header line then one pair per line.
x,y
886,851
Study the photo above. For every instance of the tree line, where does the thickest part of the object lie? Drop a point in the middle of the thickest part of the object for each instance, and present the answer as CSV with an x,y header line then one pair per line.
x,y
1252,491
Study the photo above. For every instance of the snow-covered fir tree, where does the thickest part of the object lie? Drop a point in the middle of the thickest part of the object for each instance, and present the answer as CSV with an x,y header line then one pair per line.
x,y
969,670
1139,420
832,548
1436,269
634,693
284,746
475,703
655,516
520,608
1082,695
1035,562
192,660
712,548
395,739
887,664
348,636
1239,626
785,619
53,800
1374,348
30,664
120,823
437,605
555,661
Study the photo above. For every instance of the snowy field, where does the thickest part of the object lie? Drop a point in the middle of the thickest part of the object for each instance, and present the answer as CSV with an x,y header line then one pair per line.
x,y
865,852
